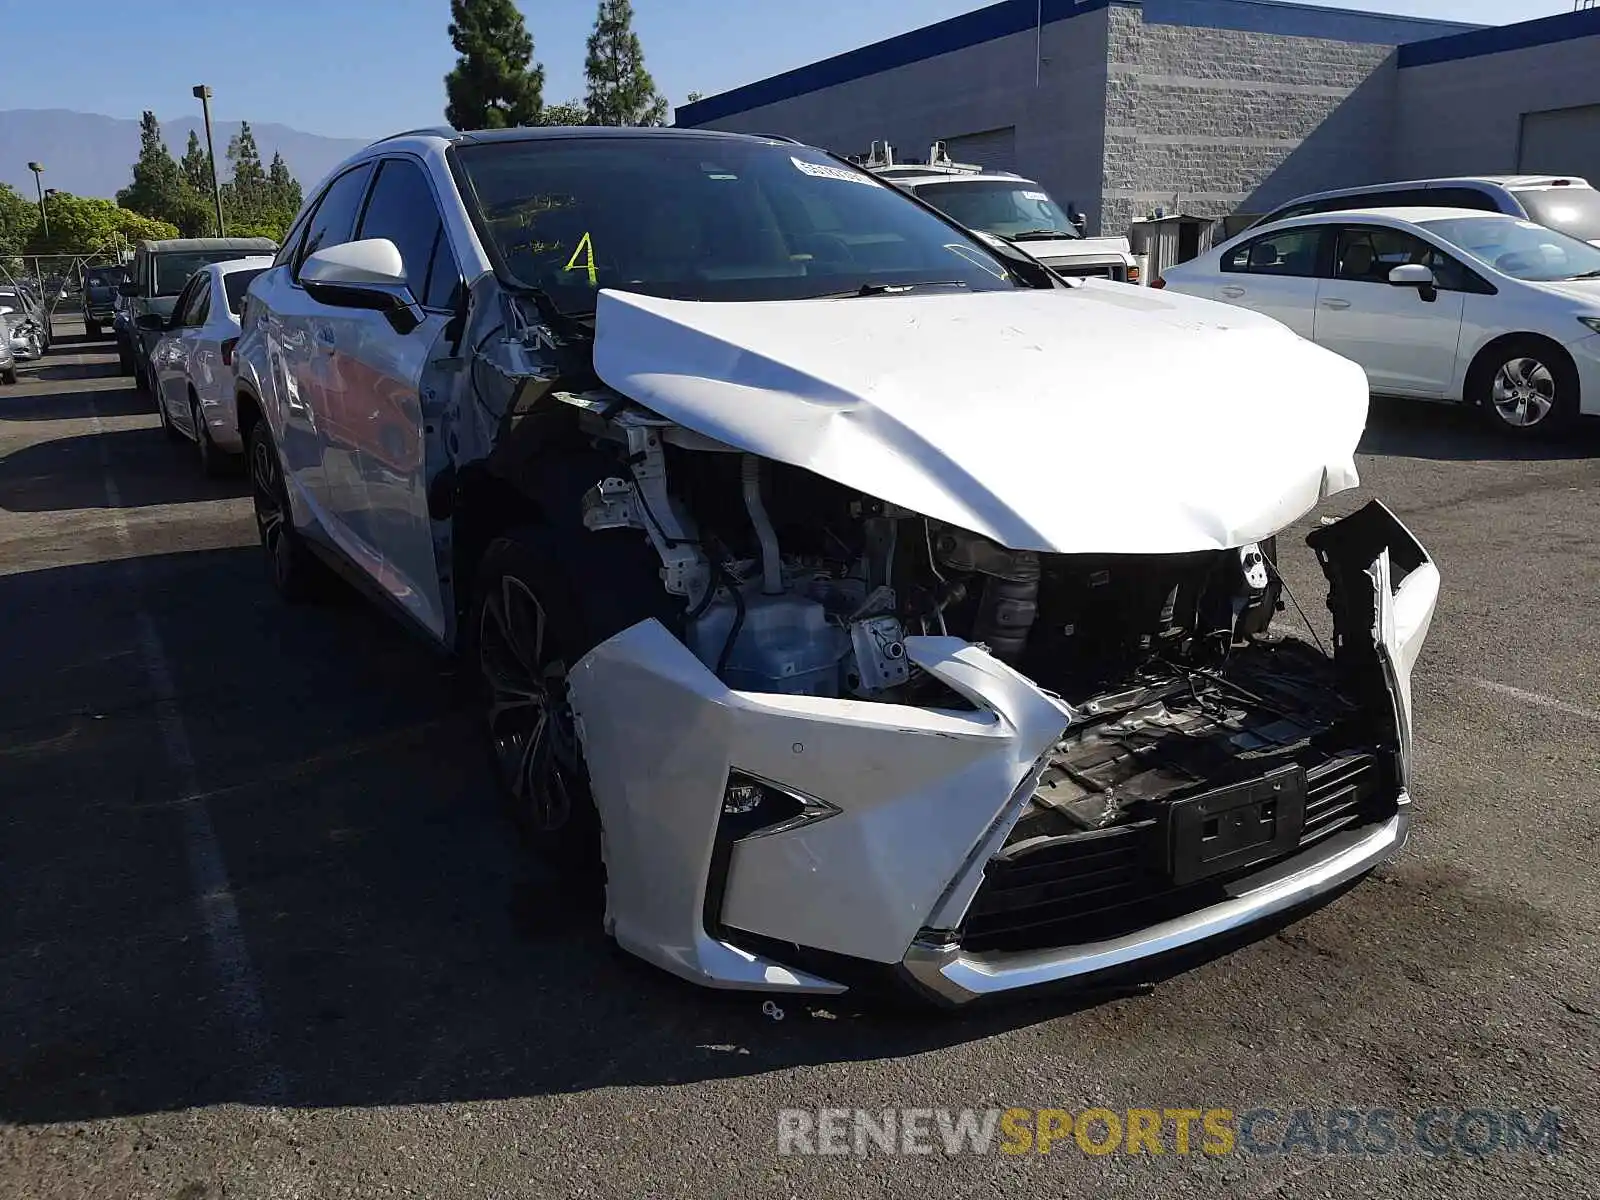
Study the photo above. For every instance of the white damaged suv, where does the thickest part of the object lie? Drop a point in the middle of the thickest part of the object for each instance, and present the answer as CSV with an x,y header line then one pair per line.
x,y
867,602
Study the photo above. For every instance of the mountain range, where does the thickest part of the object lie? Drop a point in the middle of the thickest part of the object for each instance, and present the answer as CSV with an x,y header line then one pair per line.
x,y
92,155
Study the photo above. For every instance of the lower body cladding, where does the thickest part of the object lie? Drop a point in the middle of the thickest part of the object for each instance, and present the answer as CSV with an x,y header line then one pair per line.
x,y
793,843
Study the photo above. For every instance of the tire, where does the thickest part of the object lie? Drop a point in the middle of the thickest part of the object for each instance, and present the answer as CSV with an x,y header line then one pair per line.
x,y
1526,387
91,329
296,574
213,463
125,364
524,631
9,375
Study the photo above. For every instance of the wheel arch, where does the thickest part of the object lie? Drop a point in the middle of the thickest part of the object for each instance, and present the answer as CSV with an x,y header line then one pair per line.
x,y
1484,360
246,409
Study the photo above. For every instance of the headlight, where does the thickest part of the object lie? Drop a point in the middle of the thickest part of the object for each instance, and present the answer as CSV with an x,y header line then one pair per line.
x,y
1592,322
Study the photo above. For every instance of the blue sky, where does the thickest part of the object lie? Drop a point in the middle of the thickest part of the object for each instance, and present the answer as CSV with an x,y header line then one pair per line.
x,y
364,68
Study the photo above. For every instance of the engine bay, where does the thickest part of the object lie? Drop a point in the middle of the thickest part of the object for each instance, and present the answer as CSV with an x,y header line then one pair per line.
x,y
794,584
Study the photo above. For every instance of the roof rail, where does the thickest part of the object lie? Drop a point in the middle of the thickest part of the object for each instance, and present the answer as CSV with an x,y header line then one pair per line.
x,y
881,159
444,131
781,137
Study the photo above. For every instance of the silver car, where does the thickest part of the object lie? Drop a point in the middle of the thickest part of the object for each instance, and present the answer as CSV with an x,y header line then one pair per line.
x,y
8,359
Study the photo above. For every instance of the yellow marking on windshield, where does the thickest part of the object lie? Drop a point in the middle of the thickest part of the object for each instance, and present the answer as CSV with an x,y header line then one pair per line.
x,y
584,251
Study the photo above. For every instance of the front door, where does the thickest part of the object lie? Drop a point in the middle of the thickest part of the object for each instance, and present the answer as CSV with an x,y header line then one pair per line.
x,y
1405,337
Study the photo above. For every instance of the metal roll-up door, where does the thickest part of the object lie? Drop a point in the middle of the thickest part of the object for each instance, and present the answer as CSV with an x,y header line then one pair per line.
x,y
1562,141
994,149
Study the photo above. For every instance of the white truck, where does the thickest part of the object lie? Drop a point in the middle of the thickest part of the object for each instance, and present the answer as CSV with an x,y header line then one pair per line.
x,y
1004,205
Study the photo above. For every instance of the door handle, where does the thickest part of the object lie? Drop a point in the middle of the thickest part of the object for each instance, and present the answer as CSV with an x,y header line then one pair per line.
x,y
1233,291
1335,303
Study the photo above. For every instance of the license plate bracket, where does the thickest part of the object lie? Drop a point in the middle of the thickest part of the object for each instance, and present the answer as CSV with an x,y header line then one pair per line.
x,y
1236,826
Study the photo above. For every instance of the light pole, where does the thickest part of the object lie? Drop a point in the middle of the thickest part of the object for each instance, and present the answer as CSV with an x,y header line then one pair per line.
x,y
203,94
38,169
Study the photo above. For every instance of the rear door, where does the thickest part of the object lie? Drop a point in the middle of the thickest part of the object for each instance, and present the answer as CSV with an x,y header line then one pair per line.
x,y
1406,341
169,361
387,375
1276,274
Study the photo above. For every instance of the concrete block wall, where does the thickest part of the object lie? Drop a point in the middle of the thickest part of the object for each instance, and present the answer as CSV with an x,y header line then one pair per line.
x,y
1059,123
1234,119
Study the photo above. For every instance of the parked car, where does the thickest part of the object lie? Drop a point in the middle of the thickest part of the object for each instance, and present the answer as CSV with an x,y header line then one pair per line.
x,y
1564,203
192,363
29,322
1000,204
1435,303
158,273
100,286
893,606
8,359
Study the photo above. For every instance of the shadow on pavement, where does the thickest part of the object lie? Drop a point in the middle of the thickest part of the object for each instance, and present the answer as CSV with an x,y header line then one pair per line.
x,y
68,473
406,950
70,406
65,371
1398,428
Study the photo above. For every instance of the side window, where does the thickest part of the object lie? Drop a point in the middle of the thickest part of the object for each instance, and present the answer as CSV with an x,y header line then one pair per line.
x,y
403,210
1289,252
444,275
335,218
1367,253
1462,197
200,303
183,308
291,243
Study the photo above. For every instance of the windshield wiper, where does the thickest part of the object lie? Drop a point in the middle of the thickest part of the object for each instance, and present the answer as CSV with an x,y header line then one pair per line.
x,y
1033,235
890,289
1595,274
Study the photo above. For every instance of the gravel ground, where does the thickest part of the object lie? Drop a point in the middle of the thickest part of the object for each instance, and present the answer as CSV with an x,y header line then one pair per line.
x,y
266,935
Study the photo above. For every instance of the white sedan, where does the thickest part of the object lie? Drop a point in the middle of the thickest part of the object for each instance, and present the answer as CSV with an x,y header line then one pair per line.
x,y
193,363
1435,303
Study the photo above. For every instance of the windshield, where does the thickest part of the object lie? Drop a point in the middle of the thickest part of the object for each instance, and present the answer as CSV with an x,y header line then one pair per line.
x,y
236,284
706,219
1521,249
174,268
1572,210
1008,208
103,279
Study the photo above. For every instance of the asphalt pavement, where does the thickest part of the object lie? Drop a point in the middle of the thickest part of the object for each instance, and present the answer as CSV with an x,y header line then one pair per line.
x,y
265,933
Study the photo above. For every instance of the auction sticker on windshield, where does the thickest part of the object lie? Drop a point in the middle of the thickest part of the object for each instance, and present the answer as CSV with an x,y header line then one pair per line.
x,y
823,171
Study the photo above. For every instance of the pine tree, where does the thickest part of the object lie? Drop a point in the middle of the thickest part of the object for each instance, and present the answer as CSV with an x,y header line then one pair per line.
x,y
572,112
158,188
246,193
196,167
621,91
495,82
283,189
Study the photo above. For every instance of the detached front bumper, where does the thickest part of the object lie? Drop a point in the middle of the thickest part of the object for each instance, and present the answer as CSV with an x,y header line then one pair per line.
x,y
898,812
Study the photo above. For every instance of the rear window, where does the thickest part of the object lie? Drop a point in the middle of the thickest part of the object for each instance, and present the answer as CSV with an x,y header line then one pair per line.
x,y
236,284
172,270
1574,211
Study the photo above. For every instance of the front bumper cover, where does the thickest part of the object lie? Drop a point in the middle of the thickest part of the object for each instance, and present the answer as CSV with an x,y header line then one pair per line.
x,y
921,798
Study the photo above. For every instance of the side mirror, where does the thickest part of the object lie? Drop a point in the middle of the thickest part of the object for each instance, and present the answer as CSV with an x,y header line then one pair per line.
x,y
1081,220
1418,276
128,288
152,323
367,274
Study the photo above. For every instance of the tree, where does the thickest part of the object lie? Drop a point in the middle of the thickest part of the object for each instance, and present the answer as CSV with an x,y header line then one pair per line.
x,y
495,82
694,98
621,91
572,112
89,225
196,166
18,217
158,189
245,195
283,189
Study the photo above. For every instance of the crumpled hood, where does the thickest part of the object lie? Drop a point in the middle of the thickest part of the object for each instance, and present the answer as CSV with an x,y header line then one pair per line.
x,y
1101,418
